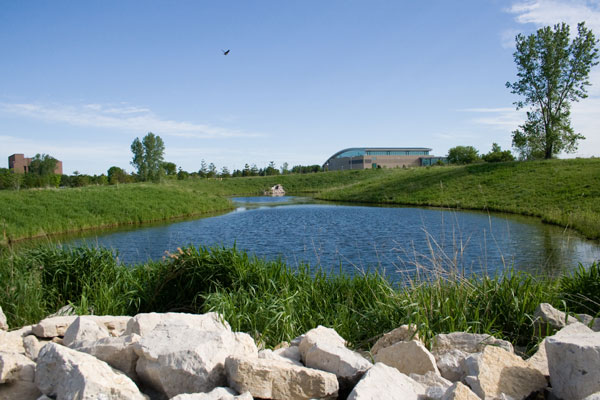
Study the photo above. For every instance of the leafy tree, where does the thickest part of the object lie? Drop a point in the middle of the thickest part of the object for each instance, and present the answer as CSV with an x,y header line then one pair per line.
x,y
285,168
463,155
497,155
553,71
203,172
225,172
212,170
148,157
117,175
306,169
182,175
271,169
246,170
42,165
169,168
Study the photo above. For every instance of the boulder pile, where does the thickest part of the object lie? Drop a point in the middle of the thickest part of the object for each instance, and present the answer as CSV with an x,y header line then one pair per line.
x,y
191,357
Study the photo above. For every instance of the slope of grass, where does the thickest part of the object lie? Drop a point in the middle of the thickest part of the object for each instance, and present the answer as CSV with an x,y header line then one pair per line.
x,y
562,192
274,302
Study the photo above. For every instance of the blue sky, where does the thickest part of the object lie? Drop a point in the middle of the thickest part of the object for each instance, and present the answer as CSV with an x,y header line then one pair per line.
x,y
80,80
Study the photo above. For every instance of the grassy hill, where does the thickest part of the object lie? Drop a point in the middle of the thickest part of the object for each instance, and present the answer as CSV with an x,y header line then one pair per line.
x,y
563,192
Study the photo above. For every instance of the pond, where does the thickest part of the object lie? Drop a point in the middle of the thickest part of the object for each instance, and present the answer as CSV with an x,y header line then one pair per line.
x,y
353,238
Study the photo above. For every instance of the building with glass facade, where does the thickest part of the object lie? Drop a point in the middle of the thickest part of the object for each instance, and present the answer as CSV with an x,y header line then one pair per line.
x,y
381,157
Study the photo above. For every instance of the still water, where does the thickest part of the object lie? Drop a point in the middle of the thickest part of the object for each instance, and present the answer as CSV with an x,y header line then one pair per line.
x,y
393,240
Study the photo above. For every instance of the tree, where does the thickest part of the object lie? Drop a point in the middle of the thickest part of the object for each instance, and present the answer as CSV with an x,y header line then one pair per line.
x,y
117,175
148,157
497,155
225,172
463,155
42,165
169,168
553,72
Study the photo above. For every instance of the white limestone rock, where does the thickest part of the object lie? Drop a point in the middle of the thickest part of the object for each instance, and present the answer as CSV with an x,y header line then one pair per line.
x,y
63,373
384,382
540,359
144,323
450,364
176,359
82,329
32,346
434,384
408,357
495,372
574,364
459,391
323,348
16,367
466,342
118,352
291,353
548,319
219,393
3,323
274,379
57,326
11,342
271,355
595,396
17,373
403,333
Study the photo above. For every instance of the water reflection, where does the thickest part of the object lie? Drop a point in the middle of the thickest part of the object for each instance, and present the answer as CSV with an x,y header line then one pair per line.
x,y
353,239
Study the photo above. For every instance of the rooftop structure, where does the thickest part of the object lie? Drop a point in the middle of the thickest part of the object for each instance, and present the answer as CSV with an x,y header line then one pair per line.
x,y
20,164
381,157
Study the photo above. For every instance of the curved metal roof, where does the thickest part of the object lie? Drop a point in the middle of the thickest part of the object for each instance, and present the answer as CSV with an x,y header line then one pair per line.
x,y
378,149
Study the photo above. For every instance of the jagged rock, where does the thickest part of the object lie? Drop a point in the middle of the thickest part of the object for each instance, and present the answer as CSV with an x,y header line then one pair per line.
x,y
458,391
595,396
384,382
408,357
596,325
548,319
451,349
82,329
275,191
118,352
176,359
32,346
62,372
63,311
16,367
574,364
540,359
296,341
435,385
219,393
466,342
17,374
496,371
274,379
11,342
145,323
271,355
3,324
57,326
292,353
323,348
450,364
403,333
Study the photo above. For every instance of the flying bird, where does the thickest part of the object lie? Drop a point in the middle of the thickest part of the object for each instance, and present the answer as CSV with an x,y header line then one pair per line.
x,y
225,52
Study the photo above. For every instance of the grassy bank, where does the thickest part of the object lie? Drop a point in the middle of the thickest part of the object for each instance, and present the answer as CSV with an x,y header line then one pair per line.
x,y
40,212
562,192
34,213
274,302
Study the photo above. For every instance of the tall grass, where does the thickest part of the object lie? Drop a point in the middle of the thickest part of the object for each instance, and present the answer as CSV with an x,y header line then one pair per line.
x,y
274,302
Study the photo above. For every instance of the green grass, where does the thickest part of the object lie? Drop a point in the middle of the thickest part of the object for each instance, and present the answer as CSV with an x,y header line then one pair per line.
x,y
274,302
561,192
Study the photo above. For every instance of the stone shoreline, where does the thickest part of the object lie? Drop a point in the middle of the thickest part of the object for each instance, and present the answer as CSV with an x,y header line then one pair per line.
x,y
192,357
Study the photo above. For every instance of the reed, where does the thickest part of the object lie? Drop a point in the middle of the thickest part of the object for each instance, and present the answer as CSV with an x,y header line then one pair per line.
x,y
275,302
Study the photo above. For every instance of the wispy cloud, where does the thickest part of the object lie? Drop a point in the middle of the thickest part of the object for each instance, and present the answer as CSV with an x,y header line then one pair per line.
x,y
549,12
122,117
499,118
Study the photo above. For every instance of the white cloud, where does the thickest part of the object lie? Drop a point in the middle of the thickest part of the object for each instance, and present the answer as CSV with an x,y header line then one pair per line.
x,y
122,117
549,12
502,118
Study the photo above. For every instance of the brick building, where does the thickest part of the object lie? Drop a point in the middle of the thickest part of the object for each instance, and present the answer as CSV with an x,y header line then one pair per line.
x,y
20,164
